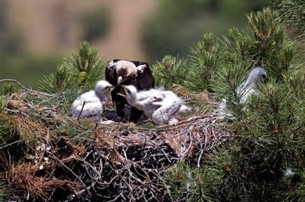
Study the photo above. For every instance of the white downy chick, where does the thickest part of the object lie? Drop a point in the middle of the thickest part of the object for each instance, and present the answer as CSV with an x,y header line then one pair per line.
x,y
163,107
90,104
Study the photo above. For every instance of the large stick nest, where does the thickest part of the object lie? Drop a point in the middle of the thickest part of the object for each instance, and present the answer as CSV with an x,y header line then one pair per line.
x,y
50,156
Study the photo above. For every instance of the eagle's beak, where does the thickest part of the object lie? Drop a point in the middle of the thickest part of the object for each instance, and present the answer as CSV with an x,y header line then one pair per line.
x,y
120,79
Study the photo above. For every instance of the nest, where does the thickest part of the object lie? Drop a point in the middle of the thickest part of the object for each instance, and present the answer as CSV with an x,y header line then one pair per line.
x,y
54,157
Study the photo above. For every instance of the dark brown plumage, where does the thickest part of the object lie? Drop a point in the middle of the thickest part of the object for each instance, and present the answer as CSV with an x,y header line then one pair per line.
x,y
123,72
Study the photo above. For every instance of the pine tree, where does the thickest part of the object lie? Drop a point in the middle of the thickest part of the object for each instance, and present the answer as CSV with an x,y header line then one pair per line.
x,y
171,70
265,162
204,63
292,13
78,72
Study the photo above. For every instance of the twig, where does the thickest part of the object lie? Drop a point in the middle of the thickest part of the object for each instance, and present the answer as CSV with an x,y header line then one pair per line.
x,y
77,177
16,111
166,187
74,122
200,155
23,87
81,111
92,167
10,144
165,154
115,199
190,144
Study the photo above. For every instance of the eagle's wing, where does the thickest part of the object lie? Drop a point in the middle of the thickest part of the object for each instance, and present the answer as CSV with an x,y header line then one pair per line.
x,y
110,73
137,63
145,79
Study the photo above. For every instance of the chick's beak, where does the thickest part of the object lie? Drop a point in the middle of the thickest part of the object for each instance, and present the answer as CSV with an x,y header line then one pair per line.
x,y
107,89
121,94
110,88
123,91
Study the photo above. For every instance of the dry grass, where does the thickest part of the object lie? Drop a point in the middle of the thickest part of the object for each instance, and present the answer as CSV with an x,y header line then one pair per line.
x,y
73,160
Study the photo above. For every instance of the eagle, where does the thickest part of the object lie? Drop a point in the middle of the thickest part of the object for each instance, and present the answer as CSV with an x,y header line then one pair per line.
x,y
162,106
120,72
244,90
90,104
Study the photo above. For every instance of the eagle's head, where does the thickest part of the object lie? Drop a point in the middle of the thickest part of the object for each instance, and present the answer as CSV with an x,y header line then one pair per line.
x,y
125,70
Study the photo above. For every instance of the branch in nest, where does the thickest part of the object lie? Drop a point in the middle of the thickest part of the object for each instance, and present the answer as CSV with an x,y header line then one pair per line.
x,y
73,173
81,111
23,87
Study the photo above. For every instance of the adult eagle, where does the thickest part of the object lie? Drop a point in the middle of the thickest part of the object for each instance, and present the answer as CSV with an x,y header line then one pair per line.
x,y
120,72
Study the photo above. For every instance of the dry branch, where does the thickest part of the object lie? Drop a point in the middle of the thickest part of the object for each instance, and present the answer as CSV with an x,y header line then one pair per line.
x,y
118,162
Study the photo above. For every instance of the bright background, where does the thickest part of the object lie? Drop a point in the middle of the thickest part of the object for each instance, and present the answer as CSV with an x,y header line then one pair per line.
x,y
35,35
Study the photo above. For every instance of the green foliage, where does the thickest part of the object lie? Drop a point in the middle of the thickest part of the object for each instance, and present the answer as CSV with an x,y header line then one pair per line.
x,y
265,162
214,62
2,103
220,65
186,183
269,131
232,66
95,23
58,81
270,48
81,70
292,12
225,83
265,45
8,88
270,141
3,189
146,125
204,60
7,132
171,70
